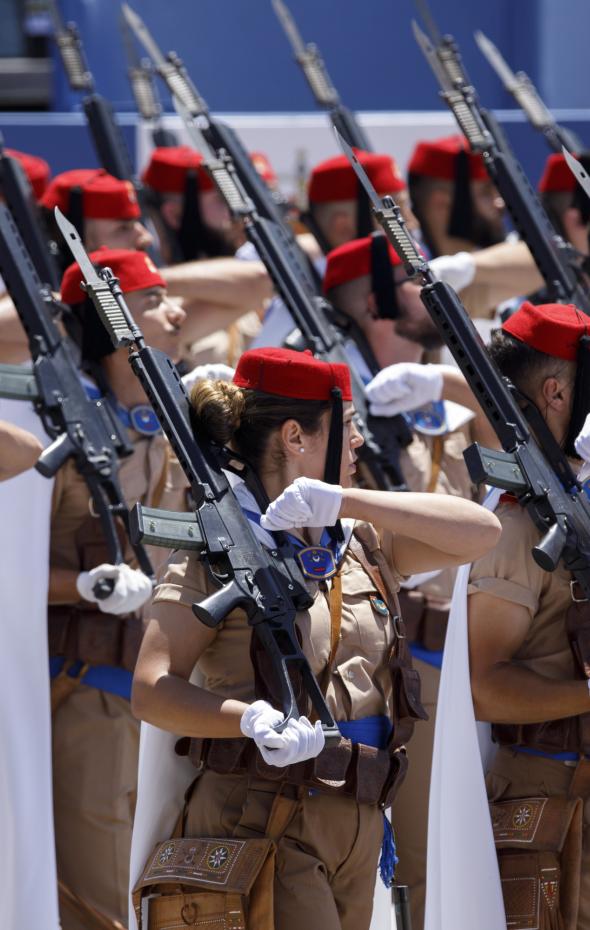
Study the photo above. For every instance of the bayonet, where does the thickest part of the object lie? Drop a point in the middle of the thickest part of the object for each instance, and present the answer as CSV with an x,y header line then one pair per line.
x,y
97,286
578,171
315,71
525,93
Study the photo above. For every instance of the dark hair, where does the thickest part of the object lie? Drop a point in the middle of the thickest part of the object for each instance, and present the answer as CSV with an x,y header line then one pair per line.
x,y
227,413
519,362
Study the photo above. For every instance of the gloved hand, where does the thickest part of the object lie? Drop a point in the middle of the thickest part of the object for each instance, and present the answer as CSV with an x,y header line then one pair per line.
x,y
401,387
457,270
258,719
211,372
132,588
582,441
306,502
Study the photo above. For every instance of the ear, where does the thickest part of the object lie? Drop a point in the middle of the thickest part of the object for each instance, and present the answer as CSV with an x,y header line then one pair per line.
x,y
292,438
171,211
554,395
439,199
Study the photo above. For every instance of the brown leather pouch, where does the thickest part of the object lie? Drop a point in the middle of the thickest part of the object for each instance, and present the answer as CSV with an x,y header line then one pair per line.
x,y
539,846
207,883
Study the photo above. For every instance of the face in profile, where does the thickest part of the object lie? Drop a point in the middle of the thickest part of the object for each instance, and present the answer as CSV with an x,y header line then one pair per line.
x,y
160,318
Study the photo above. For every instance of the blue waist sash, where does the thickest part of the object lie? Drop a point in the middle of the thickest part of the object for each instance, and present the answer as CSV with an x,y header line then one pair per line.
x,y
375,731
556,756
104,677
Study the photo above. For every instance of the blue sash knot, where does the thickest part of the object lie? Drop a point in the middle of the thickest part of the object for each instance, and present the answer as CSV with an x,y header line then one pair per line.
x,y
375,731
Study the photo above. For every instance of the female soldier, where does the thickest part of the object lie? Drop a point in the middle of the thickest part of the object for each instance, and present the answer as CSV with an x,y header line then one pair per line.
x,y
281,414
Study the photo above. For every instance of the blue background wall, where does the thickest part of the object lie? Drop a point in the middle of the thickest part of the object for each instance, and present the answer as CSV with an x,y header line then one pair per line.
x,y
239,58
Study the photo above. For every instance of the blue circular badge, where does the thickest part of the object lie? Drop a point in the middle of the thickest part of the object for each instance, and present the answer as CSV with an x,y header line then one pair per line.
x,y
143,419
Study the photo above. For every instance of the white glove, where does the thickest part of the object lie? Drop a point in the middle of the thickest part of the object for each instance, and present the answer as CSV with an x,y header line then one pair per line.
x,y
132,588
582,442
258,719
211,372
401,387
457,270
306,502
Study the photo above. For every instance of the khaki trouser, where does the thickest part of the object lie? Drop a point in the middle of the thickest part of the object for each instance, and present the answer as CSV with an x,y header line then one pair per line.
x,y
326,860
410,807
519,775
95,753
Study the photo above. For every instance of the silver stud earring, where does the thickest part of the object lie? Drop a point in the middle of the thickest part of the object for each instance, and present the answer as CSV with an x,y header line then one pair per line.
x,y
302,449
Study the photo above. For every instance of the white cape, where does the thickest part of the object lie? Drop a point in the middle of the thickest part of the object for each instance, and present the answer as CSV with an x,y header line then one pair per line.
x,y
463,884
28,883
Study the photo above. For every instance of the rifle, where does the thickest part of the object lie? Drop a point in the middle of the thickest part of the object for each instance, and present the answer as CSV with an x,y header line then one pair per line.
x,y
525,93
556,260
109,144
446,50
80,428
143,87
267,585
383,436
325,94
17,194
218,134
537,472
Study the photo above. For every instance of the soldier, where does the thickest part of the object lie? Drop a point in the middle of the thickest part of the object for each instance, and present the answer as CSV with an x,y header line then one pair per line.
x,y
93,643
527,631
565,201
338,210
444,419
461,218
277,414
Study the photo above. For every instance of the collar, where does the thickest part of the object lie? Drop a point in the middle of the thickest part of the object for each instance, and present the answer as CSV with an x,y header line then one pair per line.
x,y
313,559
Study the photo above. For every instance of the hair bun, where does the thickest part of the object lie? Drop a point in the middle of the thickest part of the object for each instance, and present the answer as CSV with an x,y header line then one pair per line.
x,y
217,409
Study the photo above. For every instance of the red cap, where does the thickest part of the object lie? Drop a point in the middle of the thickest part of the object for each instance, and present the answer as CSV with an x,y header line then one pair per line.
x,y
264,168
291,374
554,329
103,196
36,169
168,167
135,271
436,159
351,261
335,179
556,176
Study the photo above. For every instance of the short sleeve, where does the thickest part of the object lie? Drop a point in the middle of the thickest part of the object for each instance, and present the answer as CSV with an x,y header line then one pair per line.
x,y
182,580
508,571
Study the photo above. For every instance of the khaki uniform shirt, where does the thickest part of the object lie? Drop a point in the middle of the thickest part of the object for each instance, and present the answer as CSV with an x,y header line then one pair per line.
x,y
510,573
417,463
359,685
142,478
226,345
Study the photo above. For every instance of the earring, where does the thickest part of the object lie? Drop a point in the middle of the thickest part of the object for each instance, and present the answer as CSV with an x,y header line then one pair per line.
x,y
302,449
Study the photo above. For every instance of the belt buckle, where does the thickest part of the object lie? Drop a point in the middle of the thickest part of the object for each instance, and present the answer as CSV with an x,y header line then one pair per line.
x,y
397,621
576,600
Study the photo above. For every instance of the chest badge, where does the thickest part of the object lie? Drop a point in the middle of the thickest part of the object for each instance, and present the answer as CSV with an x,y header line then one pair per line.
x,y
378,604
317,562
430,420
143,420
